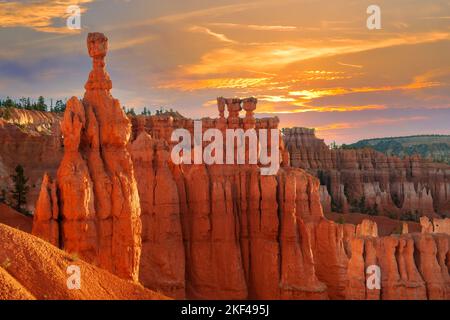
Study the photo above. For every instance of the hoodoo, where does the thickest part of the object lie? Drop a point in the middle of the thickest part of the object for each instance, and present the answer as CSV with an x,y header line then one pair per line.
x,y
97,202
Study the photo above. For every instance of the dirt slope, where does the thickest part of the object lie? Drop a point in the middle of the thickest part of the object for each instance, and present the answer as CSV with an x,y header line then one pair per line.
x,y
32,268
14,219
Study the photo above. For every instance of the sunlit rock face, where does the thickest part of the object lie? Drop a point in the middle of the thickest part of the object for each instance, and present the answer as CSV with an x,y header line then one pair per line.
x,y
97,203
214,231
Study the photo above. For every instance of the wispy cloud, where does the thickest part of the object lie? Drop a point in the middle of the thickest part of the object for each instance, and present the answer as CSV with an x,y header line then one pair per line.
x,y
265,57
217,83
350,65
256,27
360,124
218,36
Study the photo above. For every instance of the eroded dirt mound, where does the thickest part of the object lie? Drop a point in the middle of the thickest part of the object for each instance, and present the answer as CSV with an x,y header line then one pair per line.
x,y
14,219
32,268
10,289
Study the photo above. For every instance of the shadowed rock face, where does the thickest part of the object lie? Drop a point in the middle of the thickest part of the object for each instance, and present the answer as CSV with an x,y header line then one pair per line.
x,y
389,185
213,231
33,140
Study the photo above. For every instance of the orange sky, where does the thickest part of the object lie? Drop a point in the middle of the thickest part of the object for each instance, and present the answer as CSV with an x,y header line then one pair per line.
x,y
312,63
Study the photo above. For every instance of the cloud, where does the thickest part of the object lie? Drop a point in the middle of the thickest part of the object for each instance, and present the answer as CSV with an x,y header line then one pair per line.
x,y
267,57
350,65
361,124
264,108
38,15
215,83
132,42
218,36
256,27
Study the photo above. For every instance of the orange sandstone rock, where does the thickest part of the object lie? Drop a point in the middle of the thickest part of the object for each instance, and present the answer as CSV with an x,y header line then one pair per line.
x,y
45,219
162,265
368,179
367,228
98,198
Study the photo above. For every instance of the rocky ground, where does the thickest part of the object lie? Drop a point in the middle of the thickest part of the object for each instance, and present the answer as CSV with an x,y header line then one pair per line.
x,y
31,268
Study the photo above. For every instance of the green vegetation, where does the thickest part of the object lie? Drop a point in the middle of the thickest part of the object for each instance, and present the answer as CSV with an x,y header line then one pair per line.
x,y
29,104
20,191
410,216
3,196
436,147
146,112
336,206
158,112
129,111
397,230
360,206
392,215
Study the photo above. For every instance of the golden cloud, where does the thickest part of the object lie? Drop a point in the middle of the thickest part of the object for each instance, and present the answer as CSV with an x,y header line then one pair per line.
x,y
360,124
269,57
255,27
37,15
217,83
218,36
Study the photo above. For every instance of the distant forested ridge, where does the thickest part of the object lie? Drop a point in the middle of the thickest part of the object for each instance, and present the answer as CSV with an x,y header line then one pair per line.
x,y
436,147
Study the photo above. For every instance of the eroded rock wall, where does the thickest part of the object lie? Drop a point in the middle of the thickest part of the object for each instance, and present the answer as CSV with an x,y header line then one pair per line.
x,y
33,140
367,180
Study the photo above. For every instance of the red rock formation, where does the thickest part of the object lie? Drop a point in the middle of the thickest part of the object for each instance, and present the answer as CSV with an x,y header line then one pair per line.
x,y
218,231
162,263
367,228
330,257
33,140
98,201
12,218
369,179
435,225
45,224
356,287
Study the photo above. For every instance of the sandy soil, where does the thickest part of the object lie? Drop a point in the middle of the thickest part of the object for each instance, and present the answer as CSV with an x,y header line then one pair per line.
x,y
32,268
14,219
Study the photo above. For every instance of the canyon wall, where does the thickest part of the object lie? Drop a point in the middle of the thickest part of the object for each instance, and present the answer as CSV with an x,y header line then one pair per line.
x,y
369,181
214,231
33,140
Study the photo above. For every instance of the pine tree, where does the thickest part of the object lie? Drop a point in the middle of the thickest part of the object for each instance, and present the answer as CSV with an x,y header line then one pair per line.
x,y
41,106
8,103
19,194
3,196
60,106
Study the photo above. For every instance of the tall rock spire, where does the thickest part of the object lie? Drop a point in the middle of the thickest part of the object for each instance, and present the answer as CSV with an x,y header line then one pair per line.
x,y
99,210
98,78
